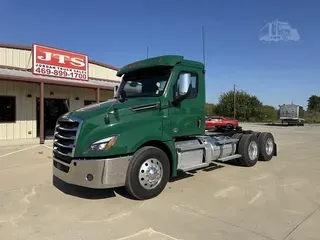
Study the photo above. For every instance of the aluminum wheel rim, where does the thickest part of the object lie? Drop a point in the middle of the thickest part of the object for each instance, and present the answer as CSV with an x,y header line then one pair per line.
x,y
150,173
253,150
269,146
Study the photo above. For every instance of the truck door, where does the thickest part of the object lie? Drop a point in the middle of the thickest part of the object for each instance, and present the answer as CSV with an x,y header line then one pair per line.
x,y
188,117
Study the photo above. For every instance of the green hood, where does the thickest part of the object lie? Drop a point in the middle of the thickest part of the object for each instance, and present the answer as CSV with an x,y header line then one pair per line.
x,y
120,108
126,119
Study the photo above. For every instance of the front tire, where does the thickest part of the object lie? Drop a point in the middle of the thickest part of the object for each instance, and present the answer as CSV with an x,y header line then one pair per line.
x,y
148,173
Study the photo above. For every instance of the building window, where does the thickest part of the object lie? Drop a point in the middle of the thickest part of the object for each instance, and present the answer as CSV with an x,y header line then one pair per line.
x,y
88,102
7,109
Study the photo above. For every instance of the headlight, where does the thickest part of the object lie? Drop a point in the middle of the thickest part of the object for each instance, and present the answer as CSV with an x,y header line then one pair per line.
x,y
102,145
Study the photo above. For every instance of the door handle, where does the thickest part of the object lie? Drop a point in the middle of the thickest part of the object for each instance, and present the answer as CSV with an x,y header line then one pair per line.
x,y
199,122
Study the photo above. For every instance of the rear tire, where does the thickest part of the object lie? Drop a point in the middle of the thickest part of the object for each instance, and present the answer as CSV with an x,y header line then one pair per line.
x,y
148,173
238,136
256,134
249,149
266,144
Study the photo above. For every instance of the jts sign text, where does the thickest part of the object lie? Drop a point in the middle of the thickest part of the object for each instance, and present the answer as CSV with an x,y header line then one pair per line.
x,y
59,63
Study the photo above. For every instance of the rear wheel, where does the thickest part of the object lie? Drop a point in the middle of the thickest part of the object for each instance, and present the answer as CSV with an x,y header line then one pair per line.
x,y
237,136
256,134
266,144
249,149
148,173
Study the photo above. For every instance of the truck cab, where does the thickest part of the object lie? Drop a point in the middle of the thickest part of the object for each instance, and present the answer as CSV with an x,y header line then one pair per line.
x,y
154,126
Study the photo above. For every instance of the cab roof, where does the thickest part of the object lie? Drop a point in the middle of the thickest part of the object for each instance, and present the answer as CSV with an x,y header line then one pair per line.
x,y
165,60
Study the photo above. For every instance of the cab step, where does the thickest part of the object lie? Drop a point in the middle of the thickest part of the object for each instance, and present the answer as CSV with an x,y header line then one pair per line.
x,y
228,158
190,168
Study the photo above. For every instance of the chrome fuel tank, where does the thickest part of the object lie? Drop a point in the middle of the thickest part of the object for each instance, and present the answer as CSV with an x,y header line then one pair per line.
x,y
220,146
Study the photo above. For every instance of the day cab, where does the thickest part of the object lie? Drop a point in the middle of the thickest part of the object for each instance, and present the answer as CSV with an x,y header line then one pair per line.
x,y
93,144
153,127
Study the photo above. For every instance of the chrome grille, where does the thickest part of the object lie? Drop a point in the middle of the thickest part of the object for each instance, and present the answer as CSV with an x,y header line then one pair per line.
x,y
65,138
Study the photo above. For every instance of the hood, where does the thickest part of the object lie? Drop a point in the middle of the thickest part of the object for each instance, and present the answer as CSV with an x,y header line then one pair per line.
x,y
121,108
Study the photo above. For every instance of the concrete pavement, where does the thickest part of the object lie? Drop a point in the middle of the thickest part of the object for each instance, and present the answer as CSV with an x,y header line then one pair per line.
x,y
279,199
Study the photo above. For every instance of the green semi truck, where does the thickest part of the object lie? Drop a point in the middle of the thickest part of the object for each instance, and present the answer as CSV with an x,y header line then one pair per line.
x,y
151,130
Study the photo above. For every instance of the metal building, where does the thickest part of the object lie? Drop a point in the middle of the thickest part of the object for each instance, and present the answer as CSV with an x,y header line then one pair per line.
x,y
31,103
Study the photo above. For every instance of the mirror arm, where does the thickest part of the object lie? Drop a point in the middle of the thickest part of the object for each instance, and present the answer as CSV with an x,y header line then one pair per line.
x,y
115,90
174,102
179,99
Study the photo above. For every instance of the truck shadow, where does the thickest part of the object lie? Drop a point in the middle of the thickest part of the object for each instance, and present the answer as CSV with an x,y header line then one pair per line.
x,y
88,193
81,192
188,174
97,194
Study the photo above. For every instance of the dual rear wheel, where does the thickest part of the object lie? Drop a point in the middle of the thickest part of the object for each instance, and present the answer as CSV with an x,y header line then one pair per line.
x,y
255,146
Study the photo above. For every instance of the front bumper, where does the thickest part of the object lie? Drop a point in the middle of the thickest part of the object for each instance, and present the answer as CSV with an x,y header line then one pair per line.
x,y
106,173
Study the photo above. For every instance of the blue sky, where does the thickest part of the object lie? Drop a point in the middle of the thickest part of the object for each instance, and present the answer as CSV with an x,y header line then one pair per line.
x,y
118,32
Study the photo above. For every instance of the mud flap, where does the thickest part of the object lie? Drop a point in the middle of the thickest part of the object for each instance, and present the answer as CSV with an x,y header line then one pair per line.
x,y
275,153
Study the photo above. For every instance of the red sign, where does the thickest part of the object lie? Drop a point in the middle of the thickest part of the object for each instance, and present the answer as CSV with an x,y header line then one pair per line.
x,y
54,62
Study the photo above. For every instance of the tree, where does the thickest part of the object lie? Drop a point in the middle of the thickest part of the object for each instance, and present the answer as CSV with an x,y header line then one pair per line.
x,y
269,113
225,104
314,103
210,109
255,109
248,107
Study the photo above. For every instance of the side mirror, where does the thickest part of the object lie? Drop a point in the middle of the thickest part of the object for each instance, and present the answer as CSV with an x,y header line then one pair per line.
x,y
183,88
184,83
115,90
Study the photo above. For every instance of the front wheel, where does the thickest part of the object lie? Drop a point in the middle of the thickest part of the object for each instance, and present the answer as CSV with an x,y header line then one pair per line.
x,y
148,173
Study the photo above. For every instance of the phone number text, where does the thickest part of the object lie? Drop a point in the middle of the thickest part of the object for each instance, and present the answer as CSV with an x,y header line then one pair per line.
x,y
61,73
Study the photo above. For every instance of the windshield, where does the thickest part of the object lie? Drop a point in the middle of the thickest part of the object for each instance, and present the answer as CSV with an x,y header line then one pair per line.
x,y
148,82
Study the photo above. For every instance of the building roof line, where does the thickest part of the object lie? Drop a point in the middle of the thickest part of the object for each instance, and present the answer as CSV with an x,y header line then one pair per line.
x,y
26,76
29,70
23,47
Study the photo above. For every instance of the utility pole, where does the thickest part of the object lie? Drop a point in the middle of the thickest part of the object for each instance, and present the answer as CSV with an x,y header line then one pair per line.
x,y
234,101
147,51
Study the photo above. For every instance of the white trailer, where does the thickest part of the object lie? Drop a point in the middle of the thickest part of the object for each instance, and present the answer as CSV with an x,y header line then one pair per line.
x,y
291,114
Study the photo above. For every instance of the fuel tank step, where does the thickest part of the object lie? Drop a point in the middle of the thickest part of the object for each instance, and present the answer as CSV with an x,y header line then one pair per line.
x,y
228,158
